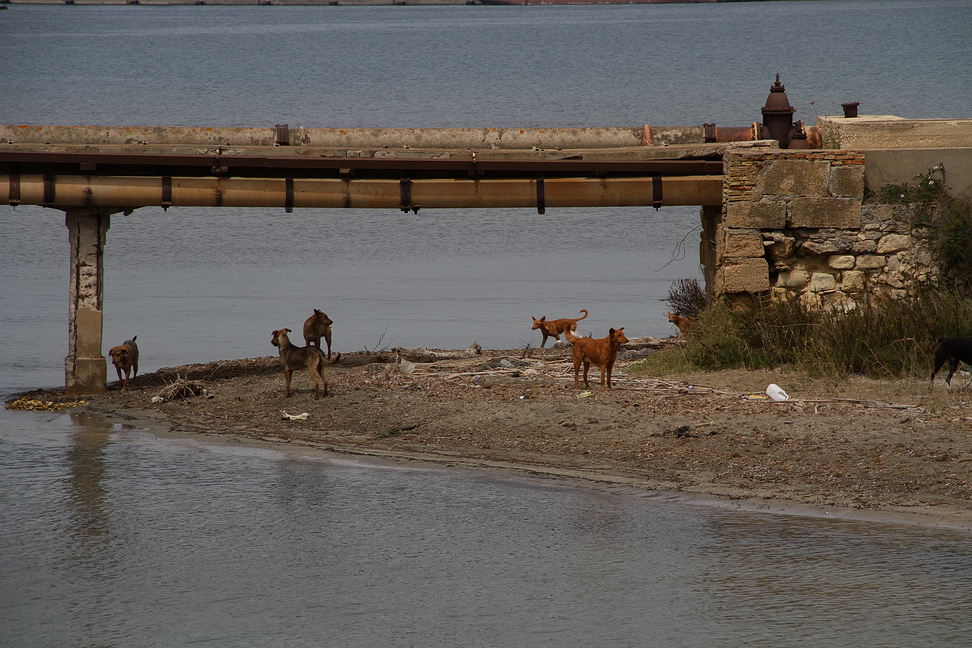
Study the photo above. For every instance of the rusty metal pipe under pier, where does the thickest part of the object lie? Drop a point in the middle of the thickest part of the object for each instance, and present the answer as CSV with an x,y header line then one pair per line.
x,y
69,192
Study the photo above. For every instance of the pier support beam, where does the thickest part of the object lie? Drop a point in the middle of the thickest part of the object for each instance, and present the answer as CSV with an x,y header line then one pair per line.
x,y
85,369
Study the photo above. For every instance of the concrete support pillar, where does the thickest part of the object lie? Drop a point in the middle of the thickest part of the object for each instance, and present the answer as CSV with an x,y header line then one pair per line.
x,y
708,256
85,369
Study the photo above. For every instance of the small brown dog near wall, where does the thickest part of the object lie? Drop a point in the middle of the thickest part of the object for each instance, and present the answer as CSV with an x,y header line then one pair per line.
x,y
317,326
292,357
601,352
682,322
125,358
554,328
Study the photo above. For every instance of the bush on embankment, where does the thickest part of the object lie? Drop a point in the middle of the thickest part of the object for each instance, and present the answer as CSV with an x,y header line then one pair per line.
x,y
892,339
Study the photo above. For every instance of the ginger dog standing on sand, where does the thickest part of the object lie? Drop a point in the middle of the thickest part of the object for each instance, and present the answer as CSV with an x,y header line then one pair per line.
x,y
600,352
292,357
554,328
125,357
317,326
682,322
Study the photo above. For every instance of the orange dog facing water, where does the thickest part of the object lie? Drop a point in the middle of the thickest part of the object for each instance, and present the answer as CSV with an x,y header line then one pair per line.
x,y
600,352
554,328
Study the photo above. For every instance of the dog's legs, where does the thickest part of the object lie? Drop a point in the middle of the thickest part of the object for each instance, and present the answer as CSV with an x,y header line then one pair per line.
x,y
940,360
314,366
327,338
287,372
320,372
953,364
587,365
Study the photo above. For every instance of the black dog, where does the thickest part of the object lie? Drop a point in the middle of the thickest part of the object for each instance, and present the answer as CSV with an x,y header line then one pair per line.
x,y
954,350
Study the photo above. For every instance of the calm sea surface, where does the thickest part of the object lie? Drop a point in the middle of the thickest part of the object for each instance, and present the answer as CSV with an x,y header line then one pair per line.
x,y
113,537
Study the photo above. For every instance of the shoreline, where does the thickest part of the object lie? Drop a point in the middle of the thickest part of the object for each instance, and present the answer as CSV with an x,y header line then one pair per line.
x,y
879,451
937,517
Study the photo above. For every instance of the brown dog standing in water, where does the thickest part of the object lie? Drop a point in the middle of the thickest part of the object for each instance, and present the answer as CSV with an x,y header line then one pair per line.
x,y
317,326
600,352
554,328
292,357
125,358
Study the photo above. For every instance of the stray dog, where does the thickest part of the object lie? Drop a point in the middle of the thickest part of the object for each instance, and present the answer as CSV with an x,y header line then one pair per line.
x,y
601,352
682,322
125,357
317,326
554,328
955,350
292,357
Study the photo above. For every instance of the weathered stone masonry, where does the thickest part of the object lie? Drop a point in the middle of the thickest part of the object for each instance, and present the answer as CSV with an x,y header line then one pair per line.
x,y
793,223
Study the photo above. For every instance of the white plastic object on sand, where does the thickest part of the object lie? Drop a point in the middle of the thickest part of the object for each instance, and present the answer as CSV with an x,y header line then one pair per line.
x,y
776,392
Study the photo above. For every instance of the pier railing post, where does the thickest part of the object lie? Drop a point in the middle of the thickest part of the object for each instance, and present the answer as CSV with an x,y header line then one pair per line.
x,y
85,369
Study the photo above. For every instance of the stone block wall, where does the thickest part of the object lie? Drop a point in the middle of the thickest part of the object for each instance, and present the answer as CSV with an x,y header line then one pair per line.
x,y
793,223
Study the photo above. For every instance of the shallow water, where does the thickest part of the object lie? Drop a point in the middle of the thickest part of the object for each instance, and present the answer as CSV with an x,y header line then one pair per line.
x,y
124,538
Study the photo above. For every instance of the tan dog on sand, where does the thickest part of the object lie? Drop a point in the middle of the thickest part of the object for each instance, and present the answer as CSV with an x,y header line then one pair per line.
x,y
125,358
292,357
682,322
317,326
600,352
554,328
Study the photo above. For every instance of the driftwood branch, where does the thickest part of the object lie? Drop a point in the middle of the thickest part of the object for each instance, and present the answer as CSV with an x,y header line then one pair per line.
x,y
430,355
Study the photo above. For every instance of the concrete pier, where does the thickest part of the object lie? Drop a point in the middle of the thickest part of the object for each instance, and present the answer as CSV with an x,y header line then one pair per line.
x,y
85,369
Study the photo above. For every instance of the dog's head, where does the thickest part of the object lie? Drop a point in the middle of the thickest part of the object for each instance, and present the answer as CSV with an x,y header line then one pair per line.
x,y
617,336
279,336
321,318
673,317
538,323
120,355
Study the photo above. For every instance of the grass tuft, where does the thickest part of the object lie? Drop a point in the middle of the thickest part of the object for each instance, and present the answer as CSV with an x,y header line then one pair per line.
x,y
891,339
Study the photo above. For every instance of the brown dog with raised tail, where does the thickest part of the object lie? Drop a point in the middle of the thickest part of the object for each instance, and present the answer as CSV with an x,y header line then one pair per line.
x,y
125,358
554,328
953,350
292,357
600,352
317,326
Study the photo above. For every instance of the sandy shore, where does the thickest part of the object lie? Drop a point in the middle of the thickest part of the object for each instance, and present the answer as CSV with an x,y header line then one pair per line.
x,y
858,448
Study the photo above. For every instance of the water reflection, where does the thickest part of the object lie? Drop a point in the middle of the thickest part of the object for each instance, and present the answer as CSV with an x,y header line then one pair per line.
x,y
86,481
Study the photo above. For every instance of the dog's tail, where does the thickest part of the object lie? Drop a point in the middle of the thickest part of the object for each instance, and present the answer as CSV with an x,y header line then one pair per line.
x,y
569,335
583,310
